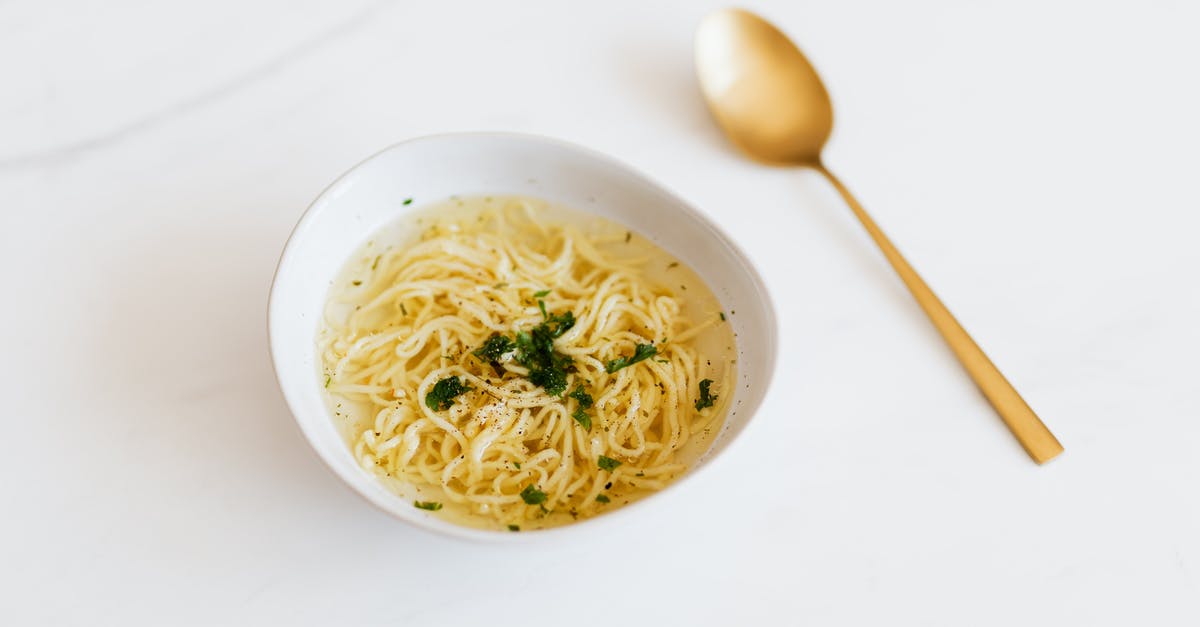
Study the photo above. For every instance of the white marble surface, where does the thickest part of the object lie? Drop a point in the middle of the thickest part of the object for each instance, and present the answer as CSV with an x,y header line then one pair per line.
x,y
1036,160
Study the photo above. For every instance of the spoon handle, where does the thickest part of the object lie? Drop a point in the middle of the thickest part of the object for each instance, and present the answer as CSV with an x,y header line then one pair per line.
x,y
1029,430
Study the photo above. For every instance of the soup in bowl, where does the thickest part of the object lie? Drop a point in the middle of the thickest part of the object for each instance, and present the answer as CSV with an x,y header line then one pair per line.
x,y
490,335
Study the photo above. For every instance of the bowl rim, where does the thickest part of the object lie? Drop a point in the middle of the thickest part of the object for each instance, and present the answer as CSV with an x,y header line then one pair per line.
x,y
453,530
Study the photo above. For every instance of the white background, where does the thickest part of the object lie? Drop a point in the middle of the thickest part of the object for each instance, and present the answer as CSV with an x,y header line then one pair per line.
x,y
1037,161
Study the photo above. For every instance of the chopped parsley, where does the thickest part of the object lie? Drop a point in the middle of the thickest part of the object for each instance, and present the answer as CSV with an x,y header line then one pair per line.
x,y
722,316
585,402
407,201
542,307
517,464
541,294
403,310
547,368
583,419
642,351
533,496
327,380
443,393
356,283
432,506
514,527
581,395
607,463
535,351
494,348
500,286
602,498
706,396
555,325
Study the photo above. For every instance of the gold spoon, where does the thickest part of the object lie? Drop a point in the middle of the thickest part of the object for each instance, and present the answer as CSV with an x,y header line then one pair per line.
x,y
773,106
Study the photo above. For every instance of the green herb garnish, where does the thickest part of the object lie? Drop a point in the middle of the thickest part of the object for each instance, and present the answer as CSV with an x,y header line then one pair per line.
x,y
407,201
542,307
327,380
500,286
583,419
642,351
443,393
535,351
403,310
541,294
585,402
514,527
494,348
533,496
602,498
557,324
722,316
356,283
432,506
706,396
607,463
517,465
581,395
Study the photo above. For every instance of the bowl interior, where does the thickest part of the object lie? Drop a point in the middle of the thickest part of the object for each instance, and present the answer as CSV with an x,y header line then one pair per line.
x,y
433,168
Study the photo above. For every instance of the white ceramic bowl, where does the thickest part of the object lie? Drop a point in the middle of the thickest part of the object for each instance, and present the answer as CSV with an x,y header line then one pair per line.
x,y
433,168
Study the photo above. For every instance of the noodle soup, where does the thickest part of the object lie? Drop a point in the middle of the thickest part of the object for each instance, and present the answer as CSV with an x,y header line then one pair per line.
x,y
511,364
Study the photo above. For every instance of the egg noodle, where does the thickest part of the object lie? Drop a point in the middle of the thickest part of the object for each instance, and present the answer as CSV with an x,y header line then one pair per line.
x,y
457,411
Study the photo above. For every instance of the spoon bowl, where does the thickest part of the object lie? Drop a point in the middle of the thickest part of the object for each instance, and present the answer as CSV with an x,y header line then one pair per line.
x,y
773,104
